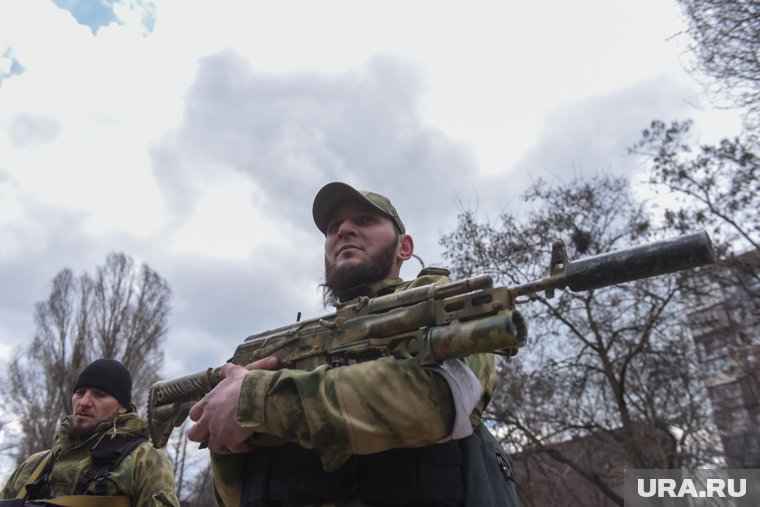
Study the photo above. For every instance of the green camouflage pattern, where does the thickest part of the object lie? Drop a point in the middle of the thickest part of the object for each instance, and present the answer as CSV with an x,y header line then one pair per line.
x,y
145,475
430,322
360,408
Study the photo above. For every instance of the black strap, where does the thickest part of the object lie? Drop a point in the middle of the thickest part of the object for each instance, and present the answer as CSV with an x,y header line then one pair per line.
x,y
106,456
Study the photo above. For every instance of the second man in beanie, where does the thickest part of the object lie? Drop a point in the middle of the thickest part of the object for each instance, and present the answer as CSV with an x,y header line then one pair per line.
x,y
101,450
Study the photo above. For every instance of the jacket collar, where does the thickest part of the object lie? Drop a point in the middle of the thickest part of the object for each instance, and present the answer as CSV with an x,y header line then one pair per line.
x,y
125,424
381,287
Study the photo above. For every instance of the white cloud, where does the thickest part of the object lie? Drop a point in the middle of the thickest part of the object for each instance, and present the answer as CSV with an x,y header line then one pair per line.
x,y
199,146
226,223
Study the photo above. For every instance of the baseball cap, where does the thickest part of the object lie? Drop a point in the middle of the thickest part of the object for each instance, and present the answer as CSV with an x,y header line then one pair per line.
x,y
332,195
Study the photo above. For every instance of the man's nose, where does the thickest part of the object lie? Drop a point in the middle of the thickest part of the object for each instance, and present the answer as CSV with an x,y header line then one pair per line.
x,y
347,227
86,399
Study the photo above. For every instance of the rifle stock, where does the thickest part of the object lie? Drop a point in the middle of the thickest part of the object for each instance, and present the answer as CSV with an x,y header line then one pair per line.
x,y
430,323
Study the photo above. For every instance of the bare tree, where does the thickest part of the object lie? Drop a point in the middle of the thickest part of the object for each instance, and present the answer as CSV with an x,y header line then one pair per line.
x,y
192,470
201,491
120,312
718,188
613,365
713,187
725,41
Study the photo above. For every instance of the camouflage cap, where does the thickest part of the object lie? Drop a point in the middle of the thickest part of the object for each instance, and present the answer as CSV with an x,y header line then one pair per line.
x,y
336,193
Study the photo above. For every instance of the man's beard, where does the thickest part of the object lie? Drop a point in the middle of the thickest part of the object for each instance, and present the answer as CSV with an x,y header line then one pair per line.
x,y
79,433
370,270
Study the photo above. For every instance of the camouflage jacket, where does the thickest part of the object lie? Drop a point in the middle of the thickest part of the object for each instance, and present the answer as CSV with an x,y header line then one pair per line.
x,y
145,475
362,408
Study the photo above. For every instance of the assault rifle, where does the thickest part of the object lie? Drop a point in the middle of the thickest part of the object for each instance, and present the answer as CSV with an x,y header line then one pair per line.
x,y
431,323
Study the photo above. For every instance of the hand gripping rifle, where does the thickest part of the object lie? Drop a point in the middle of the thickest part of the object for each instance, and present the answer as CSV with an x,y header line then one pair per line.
x,y
430,323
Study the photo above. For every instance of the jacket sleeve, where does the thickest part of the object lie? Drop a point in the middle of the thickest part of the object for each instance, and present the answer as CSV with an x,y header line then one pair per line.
x,y
358,409
153,479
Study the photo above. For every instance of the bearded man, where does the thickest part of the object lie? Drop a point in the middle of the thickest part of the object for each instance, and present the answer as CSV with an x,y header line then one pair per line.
x,y
381,432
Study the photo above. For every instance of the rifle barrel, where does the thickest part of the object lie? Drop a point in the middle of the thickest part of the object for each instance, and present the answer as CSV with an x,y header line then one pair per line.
x,y
668,256
658,258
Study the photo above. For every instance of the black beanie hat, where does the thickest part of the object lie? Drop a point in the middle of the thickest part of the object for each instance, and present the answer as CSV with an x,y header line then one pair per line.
x,y
110,376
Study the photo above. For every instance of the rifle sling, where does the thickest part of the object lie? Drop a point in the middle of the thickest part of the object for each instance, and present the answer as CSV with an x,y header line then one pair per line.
x,y
86,501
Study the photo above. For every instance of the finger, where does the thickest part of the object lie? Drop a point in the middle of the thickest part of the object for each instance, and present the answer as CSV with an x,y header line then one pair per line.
x,y
227,369
198,433
196,411
267,363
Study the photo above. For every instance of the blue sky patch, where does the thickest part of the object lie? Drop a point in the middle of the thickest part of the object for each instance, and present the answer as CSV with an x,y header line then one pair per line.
x,y
99,13
92,13
9,65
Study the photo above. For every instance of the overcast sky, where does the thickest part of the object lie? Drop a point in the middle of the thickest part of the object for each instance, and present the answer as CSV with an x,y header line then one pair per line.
x,y
193,135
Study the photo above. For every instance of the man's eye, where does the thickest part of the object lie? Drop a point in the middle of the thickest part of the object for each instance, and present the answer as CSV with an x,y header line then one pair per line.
x,y
366,220
332,227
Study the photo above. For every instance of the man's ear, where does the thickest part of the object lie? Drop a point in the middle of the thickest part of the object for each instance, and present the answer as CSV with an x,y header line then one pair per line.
x,y
405,247
122,410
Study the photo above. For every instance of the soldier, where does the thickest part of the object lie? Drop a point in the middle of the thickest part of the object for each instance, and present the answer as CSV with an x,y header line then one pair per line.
x,y
381,432
101,455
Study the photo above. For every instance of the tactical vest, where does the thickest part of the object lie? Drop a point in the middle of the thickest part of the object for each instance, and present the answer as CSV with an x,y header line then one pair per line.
x,y
105,456
471,472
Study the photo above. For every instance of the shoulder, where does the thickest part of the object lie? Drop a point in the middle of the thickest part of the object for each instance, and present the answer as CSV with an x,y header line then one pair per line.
x,y
134,431
428,276
147,475
145,453
35,458
22,473
31,462
149,467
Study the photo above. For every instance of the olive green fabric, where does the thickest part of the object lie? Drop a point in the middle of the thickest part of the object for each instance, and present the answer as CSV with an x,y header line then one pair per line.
x,y
357,409
145,475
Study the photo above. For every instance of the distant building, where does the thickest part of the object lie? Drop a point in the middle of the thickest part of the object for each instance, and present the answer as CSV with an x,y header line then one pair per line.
x,y
543,480
726,328
725,325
